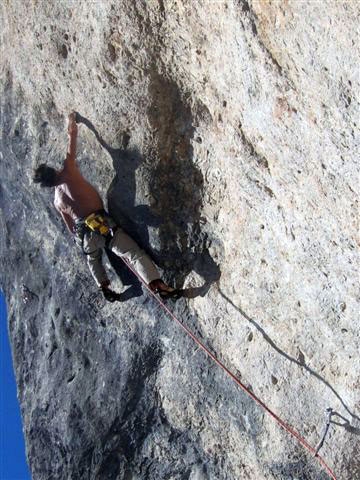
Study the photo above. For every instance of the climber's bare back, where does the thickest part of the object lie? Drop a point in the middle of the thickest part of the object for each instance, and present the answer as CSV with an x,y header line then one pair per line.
x,y
75,196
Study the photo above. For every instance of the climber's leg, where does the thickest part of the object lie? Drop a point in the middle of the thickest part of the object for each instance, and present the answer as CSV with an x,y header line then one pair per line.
x,y
125,247
92,246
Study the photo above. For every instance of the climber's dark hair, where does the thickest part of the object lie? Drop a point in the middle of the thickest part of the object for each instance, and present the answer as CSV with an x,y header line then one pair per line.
x,y
45,175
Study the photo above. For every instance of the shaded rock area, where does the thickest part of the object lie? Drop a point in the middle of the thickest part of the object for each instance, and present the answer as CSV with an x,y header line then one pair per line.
x,y
224,136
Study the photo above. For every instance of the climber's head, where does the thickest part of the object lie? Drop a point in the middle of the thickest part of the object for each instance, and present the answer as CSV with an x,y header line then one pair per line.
x,y
46,176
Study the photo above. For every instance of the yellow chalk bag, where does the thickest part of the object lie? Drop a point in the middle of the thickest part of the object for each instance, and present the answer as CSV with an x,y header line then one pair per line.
x,y
97,223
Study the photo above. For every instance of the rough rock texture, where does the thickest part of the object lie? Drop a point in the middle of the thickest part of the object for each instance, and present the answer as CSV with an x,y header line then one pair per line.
x,y
224,135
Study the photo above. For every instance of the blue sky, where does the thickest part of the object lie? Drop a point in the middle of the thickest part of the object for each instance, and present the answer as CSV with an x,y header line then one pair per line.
x,y
12,448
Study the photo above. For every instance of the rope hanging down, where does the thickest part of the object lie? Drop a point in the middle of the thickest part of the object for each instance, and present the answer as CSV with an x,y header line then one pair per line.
x,y
281,422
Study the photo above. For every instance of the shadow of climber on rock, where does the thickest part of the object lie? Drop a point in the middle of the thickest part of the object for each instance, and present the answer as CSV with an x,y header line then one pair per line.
x,y
176,187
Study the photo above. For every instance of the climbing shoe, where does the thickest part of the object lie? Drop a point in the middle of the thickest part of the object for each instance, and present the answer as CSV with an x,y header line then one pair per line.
x,y
164,291
174,294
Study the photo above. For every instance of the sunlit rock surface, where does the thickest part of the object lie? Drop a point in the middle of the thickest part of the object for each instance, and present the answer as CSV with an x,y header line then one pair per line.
x,y
224,136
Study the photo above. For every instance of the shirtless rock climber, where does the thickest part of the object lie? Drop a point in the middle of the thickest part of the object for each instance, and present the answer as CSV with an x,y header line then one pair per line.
x,y
82,210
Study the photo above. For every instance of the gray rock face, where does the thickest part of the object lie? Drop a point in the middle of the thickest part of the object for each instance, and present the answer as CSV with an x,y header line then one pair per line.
x,y
224,136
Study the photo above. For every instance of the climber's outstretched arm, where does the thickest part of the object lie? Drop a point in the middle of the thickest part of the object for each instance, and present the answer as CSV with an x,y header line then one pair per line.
x,y
70,160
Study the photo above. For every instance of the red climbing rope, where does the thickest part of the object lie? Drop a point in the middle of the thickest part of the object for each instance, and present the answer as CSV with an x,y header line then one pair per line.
x,y
281,422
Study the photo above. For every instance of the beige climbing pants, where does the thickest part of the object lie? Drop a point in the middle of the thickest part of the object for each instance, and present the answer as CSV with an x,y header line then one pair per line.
x,y
123,246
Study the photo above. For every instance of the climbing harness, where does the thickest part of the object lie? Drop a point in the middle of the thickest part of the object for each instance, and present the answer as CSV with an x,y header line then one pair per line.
x,y
281,422
97,222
